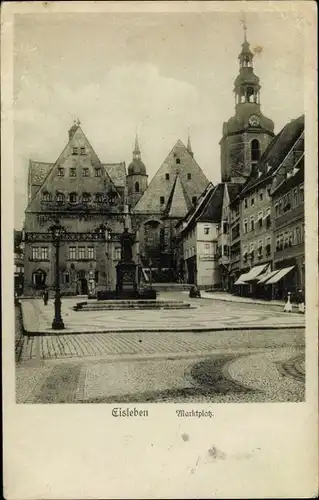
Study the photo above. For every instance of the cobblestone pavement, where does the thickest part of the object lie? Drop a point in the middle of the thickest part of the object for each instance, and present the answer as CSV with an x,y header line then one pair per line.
x,y
232,366
206,315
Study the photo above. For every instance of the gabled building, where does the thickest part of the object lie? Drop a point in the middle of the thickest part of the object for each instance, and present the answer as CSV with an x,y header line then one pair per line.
x,y
289,223
172,192
83,193
198,239
255,205
225,228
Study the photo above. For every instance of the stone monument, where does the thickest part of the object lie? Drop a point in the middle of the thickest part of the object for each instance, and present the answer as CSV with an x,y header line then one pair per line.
x,y
126,269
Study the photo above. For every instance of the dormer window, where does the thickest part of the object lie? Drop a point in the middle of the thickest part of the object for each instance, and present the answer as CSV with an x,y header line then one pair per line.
x,y
189,176
74,151
85,172
60,198
73,197
162,200
178,161
194,200
98,172
72,172
167,177
85,197
82,151
98,198
46,196
60,171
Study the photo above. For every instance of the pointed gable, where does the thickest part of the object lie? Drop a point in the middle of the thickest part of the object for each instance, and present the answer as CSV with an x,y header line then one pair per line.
x,y
212,209
191,177
78,169
178,202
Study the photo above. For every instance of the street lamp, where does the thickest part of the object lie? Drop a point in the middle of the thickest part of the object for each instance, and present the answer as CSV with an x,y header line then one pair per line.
x,y
150,267
57,232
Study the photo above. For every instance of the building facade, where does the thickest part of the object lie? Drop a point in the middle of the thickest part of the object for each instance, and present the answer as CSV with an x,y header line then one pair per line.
x,y
82,193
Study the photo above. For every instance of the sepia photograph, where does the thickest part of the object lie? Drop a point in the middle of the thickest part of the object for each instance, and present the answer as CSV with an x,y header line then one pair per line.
x,y
159,249
159,222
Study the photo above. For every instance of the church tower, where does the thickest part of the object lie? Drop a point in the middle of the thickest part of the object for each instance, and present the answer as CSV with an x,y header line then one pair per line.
x,y
247,134
136,176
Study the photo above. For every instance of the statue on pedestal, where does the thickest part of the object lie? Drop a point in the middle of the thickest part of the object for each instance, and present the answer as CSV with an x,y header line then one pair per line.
x,y
127,241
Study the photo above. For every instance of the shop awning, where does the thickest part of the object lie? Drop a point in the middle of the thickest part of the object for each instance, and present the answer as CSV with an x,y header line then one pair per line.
x,y
251,275
279,275
266,276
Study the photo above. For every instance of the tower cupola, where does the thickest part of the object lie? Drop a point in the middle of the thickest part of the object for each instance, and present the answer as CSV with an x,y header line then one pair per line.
x,y
136,176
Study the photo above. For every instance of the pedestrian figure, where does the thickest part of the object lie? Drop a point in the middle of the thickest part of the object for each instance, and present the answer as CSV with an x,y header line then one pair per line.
x,y
45,296
288,306
301,302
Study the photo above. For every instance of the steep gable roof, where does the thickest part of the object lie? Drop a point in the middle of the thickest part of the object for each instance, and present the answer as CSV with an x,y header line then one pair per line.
x,y
212,210
178,203
38,170
76,138
117,173
276,152
192,178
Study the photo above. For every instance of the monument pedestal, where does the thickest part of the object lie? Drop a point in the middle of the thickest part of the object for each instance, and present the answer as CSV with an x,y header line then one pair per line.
x,y
126,278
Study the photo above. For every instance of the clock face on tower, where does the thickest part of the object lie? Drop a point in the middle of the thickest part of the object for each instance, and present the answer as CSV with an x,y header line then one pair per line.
x,y
254,120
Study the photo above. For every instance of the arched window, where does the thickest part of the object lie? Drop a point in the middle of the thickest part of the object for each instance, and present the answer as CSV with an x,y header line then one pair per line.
x,y
73,197
98,198
60,197
255,150
137,187
46,196
86,197
39,278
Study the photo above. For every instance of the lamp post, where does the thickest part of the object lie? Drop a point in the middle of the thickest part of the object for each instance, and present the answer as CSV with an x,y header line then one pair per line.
x,y
57,231
150,267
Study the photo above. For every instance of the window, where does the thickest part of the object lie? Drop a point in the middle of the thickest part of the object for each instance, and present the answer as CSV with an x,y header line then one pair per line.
x,y
72,172
245,203
301,193
189,176
85,172
276,209
167,177
178,161
295,197
206,230
82,151
245,226
73,197
252,201
261,195
85,197
98,172
60,197
194,200
117,254
60,172
137,187
96,276
206,247
81,252
44,253
226,250
66,277
35,253
98,198
255,150
72,253
39,278
91,253
260,219
162,200
75,151
252,223
46,196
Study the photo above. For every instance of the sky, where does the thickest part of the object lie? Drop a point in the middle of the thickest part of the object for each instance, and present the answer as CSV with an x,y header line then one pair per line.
x,y
161,75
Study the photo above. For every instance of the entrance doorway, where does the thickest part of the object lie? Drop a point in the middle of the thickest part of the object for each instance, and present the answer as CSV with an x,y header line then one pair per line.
x,y
82,283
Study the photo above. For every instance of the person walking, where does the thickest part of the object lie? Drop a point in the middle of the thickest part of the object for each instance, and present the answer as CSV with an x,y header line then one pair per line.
x,y
301,301
288,305
45,296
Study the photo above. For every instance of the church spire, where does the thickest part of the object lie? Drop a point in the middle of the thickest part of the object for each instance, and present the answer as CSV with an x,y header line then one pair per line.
x,y
137,151
189,145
